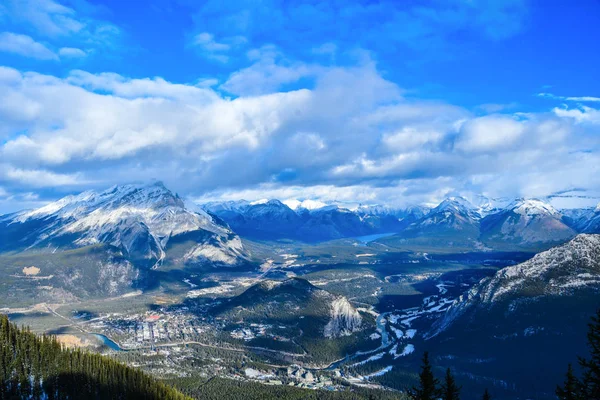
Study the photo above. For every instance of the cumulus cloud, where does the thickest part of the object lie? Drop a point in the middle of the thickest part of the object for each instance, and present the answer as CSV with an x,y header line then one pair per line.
x,y
489,133
581,114
37,178
351,136
25,46
269,71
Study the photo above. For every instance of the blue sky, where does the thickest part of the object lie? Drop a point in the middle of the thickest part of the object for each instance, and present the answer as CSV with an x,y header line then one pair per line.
x,y
371,101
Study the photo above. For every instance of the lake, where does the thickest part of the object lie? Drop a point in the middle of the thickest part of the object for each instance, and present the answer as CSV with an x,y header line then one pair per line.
x,y
370,238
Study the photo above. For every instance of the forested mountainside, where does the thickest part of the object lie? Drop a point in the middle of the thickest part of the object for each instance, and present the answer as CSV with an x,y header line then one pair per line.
x,y
39,367
33,367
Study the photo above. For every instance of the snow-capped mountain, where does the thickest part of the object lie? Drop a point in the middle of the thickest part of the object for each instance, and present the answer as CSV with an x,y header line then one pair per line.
x,y
454,217
522,224
139,220
559,272
529,317
526,222
310,221
585,220
486,205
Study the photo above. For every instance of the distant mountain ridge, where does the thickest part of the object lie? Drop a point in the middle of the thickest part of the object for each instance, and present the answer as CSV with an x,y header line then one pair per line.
x,y
455,222
273,219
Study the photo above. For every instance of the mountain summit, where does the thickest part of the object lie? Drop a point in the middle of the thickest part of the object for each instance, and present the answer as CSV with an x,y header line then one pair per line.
x,y
139,220
526,221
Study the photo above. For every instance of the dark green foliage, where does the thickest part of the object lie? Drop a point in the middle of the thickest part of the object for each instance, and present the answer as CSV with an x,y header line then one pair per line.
x,y
450,390
588,387
428,384
222,388
35,367
591,367
486,395
571,388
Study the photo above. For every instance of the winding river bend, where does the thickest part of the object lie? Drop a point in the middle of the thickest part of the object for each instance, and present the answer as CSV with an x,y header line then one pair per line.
x,y
108,342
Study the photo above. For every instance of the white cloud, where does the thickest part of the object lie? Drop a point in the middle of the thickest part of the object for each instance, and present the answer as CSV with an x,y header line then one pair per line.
x,y
71,52
25,46
207,42
489,133
411,138
269,71
47,16
62,25
352,136
38,178
216,50
580,99
581,114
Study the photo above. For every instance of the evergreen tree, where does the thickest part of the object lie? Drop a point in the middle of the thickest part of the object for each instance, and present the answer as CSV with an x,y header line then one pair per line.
x,y
450,390
31,366
591,376
572,387
428,384
486,395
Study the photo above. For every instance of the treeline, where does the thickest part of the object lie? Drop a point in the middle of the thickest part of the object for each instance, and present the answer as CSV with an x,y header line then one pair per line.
x,y
223,388
586,387
430,388
34,367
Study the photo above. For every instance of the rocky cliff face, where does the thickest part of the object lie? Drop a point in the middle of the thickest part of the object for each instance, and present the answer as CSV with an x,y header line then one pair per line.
x,y
345,319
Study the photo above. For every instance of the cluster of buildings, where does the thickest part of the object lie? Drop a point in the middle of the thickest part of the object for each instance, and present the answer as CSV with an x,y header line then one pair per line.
x,y
148,329
296,376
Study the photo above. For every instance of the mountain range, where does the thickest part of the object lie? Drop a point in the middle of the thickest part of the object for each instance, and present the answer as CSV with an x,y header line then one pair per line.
x,y
519,224
103,244
153,228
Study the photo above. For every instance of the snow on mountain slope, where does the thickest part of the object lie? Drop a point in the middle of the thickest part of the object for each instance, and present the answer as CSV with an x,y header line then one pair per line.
x,y
592,224
560,271
578,218
526,221
138,219
454,216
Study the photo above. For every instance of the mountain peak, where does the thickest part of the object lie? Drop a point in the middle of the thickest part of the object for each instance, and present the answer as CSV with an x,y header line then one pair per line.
x,y
130,217
532,207
455,203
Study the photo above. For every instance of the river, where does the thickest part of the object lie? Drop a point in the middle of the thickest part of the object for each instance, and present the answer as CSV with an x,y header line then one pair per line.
x,y
108,342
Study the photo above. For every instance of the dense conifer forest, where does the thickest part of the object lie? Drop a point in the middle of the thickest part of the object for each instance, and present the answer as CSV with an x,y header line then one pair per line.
x,y
33,367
